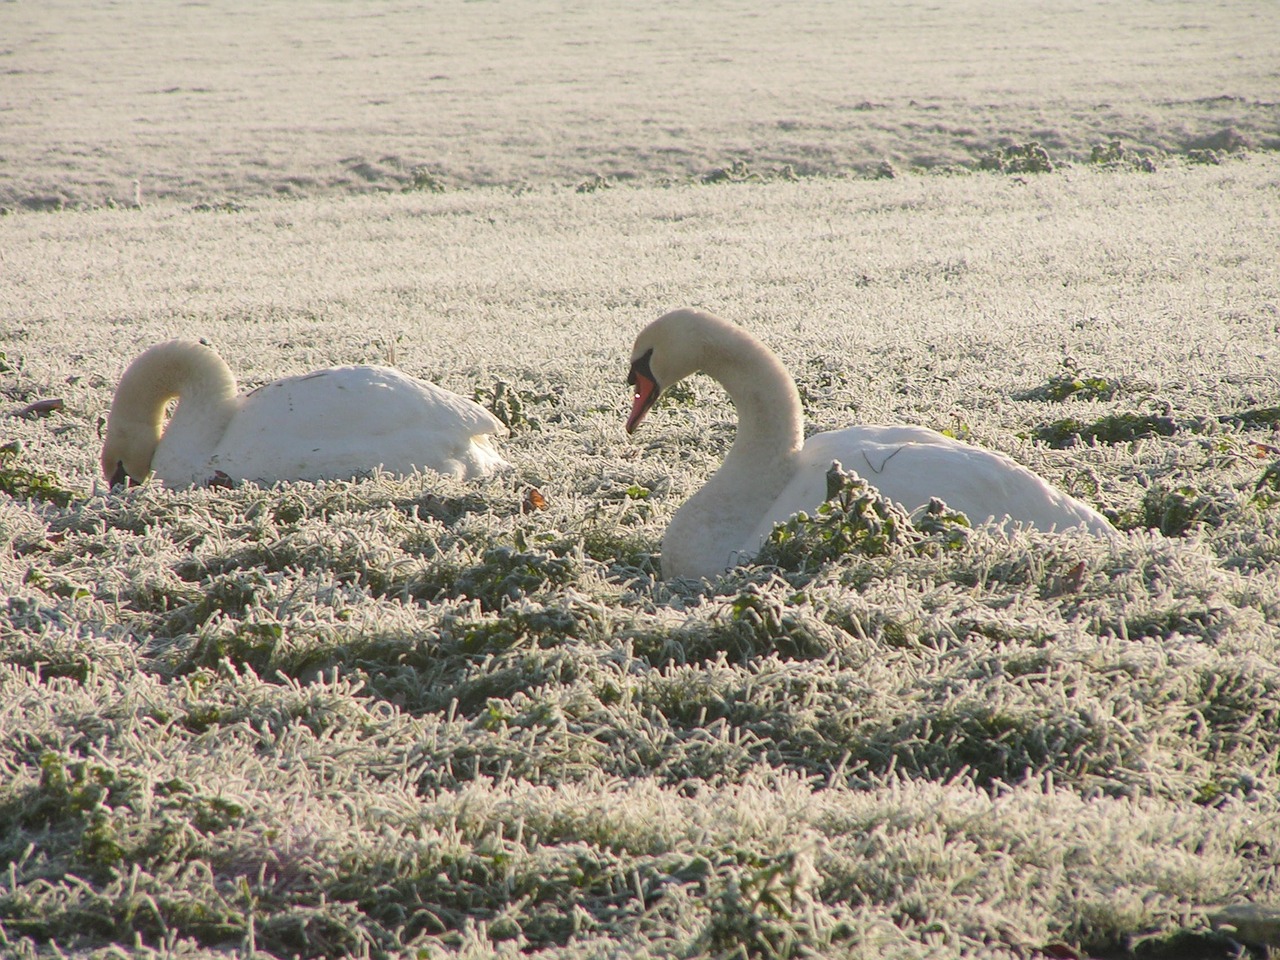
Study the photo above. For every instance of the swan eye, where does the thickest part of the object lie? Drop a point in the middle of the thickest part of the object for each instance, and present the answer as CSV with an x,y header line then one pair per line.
x,y
640,368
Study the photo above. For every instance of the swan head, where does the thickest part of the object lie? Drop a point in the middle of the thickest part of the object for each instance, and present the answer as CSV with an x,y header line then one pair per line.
x,y
127,451
671,348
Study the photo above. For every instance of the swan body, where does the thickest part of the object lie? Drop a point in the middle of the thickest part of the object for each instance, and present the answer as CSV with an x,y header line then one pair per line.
x,y
771,472
334,423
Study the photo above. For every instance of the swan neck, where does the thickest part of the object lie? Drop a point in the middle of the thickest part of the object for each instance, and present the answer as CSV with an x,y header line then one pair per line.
x,y
770,423
184,370
188,372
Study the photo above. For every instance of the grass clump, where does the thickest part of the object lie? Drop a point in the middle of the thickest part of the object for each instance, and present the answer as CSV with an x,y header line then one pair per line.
x,y
27,483
856,519
1018,158
505,574
1111,428
1208,157
1073,385
1175,510
740,171
1114,156
424,180
593,183
1266,492
507,404
1258,418
400,717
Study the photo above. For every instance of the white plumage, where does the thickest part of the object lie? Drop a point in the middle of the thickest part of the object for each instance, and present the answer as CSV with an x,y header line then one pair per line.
x,y
334,423
771,472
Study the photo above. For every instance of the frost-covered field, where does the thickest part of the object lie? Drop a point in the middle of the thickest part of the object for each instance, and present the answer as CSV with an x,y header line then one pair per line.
x,y
208,101
417,717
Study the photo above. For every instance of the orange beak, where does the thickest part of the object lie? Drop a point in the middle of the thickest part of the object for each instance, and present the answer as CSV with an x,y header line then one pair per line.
x,y
646,393
647,390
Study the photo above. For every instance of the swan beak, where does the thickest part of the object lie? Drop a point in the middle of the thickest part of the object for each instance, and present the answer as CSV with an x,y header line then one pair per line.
x,y
120,476
647,390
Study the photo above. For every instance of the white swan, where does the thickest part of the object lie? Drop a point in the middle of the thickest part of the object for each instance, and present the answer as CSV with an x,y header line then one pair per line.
x,y
334,423
771,472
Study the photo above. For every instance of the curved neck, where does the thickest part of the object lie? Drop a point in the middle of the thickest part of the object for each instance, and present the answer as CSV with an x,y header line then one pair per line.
x,y
711,531
182,370
770,424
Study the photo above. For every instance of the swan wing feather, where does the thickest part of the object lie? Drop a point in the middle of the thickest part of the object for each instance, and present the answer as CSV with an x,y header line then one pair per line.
x,y
909,465
346,421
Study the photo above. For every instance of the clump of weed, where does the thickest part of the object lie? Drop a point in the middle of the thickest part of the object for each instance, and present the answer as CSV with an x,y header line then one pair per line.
x,y
425,181
857,519
504,403
224,206
1255,417
447,509
1211,158
1174,510
1266,492
763,619
1028,157
885,171
1109,154
619,547
230,594
1073,385
507,573
683,394
1129,426
1113,155
764,909
942,527
592,184
1113,428
26,483
1218,147
819,380
736,172
245,643
510,405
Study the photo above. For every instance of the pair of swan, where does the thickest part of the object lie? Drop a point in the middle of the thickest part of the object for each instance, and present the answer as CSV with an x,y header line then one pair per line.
x,y
772,472
344,421
334,423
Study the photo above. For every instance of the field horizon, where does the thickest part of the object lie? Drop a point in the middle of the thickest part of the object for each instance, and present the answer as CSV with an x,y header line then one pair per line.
x,y
412,717
209,104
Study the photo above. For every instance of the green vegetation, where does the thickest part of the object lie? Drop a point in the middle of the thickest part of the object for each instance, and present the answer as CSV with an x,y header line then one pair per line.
x,y
855,520
1019,158
23,482
1112,428
1114,156
1074,385
415,718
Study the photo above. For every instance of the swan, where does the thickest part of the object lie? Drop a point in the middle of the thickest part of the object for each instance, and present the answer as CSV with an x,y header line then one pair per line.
x,y
771,472
333,423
